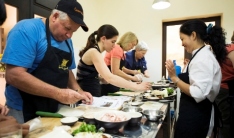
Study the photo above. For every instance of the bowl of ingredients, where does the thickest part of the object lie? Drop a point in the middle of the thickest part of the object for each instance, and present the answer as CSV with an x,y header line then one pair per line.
x,y
132,109
70,121
112,120
89,118
153,115
135,118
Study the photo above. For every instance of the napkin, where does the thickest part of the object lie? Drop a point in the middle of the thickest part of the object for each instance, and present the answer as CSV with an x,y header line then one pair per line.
x,y
34,124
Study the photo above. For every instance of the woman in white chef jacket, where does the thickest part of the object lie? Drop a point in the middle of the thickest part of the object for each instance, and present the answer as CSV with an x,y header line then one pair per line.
x,y
200,83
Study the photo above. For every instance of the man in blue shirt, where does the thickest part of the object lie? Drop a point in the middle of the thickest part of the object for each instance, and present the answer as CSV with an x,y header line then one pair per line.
x,y
135,60
39,60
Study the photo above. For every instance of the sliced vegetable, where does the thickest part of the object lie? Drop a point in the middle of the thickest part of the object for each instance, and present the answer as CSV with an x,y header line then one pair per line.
x,y
85,128
170,91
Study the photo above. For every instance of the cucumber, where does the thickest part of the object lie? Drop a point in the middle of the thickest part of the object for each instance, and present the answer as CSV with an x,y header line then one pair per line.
x,y
48,114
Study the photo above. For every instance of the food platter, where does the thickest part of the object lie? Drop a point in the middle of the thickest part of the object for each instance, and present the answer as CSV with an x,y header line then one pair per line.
x,y
137,103
92,135
150,98
162,94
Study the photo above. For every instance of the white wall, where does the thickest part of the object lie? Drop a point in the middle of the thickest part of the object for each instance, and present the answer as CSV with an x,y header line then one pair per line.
x,y
138,16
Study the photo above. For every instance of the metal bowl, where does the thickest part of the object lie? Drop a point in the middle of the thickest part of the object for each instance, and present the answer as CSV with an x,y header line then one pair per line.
x,y
109,125
132,109
153,115
135,118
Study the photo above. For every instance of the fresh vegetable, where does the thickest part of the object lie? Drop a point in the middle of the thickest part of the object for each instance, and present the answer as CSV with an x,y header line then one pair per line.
x,y
48,114
85,128
170,91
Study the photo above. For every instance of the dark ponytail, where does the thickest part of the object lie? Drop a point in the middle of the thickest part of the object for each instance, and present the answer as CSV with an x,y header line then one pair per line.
x,y
214,36
90,43
106,30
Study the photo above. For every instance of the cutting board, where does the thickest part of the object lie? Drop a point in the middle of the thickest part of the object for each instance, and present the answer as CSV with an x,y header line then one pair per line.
x,y
47,126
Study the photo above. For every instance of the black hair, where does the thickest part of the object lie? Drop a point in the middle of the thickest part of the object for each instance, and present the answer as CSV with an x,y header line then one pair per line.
x,y
214,36
106,30
3,15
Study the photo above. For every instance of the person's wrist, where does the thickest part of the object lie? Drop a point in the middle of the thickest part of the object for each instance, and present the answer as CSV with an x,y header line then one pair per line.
x,y
176,81
78,90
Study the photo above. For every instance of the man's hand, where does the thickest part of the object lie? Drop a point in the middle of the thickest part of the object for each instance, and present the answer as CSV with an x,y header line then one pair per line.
x,y
69,96
3,110
88,95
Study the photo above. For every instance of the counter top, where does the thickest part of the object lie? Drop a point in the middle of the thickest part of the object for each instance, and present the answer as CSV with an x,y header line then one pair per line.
x,y
145,129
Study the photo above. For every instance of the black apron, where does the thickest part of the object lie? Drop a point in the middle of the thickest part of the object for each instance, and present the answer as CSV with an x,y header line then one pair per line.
x,y
91,82
109,88
194,118
53,69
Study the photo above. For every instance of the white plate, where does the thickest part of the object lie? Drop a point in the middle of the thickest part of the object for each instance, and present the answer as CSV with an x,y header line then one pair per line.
x,y
152,98
137,103
67,112
57,133
70,121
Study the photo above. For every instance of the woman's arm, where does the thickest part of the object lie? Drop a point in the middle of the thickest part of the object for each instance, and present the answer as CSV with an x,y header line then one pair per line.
x,y
104,71
146,74
115,64
231,57
129,71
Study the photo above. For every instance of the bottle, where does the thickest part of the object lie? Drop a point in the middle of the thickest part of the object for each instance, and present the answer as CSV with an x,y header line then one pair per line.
x,y
163,80
177,68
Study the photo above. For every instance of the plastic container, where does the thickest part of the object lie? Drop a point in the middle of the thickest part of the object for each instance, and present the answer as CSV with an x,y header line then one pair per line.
x,y
177,68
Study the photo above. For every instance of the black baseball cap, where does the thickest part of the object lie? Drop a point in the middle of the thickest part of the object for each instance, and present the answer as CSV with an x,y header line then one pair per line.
x,y
74,10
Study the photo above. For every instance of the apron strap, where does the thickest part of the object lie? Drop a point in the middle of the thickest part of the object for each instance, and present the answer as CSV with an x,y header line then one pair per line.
x,y
49,40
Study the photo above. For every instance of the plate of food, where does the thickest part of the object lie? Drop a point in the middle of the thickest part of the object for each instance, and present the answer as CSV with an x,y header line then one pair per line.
x,y
137,103
152,98
165,92
92,135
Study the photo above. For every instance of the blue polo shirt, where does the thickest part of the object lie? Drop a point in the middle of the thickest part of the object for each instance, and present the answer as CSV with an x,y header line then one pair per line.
x,y
132,64
26,46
